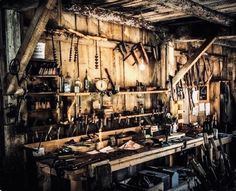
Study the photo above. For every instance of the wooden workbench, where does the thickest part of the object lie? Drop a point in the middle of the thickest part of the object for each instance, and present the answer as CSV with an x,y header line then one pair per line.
x,y
124,162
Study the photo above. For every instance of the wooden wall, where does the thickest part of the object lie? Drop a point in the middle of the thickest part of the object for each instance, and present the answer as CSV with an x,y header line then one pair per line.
x,y
124,74
181,52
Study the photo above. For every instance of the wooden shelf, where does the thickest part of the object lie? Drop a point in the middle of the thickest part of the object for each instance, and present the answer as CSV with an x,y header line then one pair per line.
x,y
119,93
40,127
41,93
42,110
138,115
40,60
45,76
76,94
144,92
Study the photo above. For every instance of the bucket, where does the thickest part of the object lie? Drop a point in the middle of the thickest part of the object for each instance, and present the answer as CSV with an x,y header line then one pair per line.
x,y
39,51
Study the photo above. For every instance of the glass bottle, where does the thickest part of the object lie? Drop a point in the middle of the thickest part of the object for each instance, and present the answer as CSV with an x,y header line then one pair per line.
x,y
67,83
86,82
77,85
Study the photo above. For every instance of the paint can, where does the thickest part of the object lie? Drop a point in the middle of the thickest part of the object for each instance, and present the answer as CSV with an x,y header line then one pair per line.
x,y
39,51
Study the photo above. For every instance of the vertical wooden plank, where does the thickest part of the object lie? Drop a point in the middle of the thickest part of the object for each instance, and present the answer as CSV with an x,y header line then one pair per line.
x,y
2,74
117,32
83,64
126,34
12,33
105,29
82,24
216,49
75,185
68,20
93,26
171,66
45,182
48,50
163,66
169,160
135,35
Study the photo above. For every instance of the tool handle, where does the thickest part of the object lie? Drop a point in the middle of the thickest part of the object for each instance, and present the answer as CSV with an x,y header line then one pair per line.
x,y
109,78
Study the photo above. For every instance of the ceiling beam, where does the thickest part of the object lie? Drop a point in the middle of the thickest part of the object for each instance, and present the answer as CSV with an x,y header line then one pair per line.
x,y
109,16
190,7
226,43
165,17
192,60
22,5
200,30
30,41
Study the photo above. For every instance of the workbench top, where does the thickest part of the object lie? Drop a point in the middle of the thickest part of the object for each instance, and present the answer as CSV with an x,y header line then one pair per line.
x,y
121,159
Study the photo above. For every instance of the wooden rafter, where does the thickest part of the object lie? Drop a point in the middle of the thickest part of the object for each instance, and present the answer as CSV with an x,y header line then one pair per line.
x,y
199,31
110,16
30,41
180,74
165,17
19,5
192,8
226,43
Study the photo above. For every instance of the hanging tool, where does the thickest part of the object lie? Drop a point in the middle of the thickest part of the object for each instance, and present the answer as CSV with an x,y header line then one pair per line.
x,y
155,53
48,133
196,74
190,95
76,48
188,82
54,52
71,47
180,90
14,68
143,54
193,79
113,90
122,48
208,68
96,55
179,86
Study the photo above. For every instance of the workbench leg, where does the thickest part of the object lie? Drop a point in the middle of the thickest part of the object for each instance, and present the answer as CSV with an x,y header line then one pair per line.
x,y
44,180
211,154
169,160
46,184
227,148
76,185
197,153
202,154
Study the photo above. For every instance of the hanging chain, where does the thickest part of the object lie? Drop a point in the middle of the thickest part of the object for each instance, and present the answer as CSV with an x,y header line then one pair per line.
x,y
54,48
96,56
